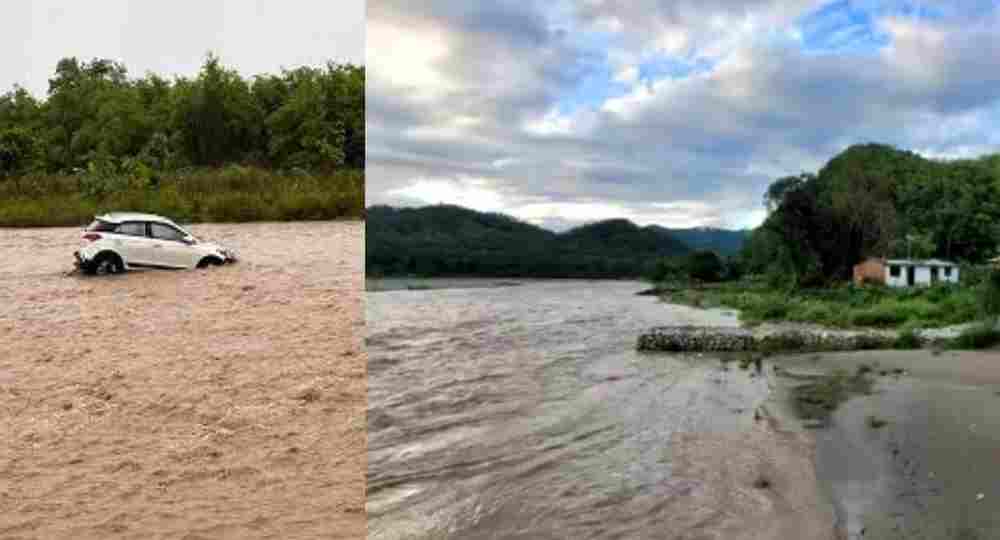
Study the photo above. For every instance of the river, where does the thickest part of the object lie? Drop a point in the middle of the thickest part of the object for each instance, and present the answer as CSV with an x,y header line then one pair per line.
x,y
226,402
525,412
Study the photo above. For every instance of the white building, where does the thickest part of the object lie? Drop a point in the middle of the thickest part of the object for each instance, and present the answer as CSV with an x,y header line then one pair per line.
x,y
906,273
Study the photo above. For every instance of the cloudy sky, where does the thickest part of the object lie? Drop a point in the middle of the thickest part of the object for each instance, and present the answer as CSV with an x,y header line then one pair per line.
x,y
172,38
674,112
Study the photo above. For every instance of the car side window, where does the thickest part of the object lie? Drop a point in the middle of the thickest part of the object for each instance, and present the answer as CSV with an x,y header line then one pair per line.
x,y
132,228
165,232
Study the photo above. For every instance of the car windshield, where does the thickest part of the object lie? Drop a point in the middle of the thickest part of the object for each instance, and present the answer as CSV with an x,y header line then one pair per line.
x,y
101,226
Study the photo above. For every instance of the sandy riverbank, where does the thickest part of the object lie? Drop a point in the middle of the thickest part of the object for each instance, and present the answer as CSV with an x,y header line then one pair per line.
x,y
931,470
758,483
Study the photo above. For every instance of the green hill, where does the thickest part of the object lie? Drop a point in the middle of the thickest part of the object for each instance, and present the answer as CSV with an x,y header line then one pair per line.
x,y
877,200
447,240
722,241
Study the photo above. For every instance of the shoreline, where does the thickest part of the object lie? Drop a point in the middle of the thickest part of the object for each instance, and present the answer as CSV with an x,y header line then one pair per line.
x,y
342,219
923,471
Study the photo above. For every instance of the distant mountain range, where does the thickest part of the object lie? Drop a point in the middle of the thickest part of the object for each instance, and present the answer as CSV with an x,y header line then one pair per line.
x,y
447,240
725,242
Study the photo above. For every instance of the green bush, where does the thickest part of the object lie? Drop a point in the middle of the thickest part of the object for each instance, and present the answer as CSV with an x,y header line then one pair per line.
x,y
907,339
880,315
849,306
980,336
811,311
990,295
233,193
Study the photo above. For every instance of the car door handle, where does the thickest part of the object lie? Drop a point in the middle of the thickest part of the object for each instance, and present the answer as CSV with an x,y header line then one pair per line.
x,y
157,245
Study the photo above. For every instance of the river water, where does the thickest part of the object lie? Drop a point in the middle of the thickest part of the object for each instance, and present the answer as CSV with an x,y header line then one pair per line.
x,y
525,412
227,402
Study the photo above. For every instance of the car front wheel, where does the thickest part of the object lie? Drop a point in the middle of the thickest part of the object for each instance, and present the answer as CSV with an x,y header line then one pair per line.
x,y
210,261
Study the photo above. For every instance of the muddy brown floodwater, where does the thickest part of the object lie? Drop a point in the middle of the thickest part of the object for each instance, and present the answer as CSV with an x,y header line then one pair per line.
x,y
524,412
219,403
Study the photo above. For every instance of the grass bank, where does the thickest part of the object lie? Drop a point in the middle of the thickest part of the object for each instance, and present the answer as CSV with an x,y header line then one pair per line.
x,y
816,397
841,307
228,194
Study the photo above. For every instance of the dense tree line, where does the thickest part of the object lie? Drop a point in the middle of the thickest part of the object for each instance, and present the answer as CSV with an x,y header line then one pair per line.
x,y
699,266
449,240
876,200
309,118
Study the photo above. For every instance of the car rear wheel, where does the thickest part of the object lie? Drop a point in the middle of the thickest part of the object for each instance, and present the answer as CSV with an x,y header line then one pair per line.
x,y
106,264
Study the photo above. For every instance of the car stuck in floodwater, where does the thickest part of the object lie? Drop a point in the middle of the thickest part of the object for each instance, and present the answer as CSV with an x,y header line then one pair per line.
x,y
119,241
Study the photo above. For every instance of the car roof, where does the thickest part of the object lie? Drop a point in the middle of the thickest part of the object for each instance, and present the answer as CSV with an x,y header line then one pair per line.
x,y
120,217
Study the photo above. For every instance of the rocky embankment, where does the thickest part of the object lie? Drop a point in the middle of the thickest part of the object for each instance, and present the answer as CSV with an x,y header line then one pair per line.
x,y
774,338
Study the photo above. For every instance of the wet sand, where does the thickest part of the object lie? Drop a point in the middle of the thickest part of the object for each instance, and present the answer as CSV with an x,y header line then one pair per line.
x,y
219,403
933,470
758,483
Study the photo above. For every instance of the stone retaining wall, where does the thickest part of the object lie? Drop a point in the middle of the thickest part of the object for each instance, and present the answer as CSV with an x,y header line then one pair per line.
x,y
721,339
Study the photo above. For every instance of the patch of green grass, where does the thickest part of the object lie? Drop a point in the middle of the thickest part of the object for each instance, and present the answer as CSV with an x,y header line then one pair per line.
x,y
875,422
228,194
980,336
906,340
418,287
846,306
817,399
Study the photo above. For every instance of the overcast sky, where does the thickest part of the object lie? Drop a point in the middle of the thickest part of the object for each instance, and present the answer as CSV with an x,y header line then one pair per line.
x,y
674,112
172,38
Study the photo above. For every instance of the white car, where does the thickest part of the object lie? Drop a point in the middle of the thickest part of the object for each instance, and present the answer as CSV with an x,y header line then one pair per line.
x,y
119,241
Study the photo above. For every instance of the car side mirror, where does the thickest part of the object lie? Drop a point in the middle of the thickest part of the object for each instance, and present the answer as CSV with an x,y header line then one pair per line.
x,y
189,240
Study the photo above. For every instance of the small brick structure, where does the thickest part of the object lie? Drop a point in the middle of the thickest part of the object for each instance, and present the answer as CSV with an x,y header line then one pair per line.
x,y
870,270
905,272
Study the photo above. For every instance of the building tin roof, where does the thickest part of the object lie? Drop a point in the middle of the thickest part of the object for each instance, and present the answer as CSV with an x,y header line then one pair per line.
x,y
918,262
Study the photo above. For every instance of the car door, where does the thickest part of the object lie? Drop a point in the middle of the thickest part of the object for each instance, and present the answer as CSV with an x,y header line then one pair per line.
x,y
134,243
168,246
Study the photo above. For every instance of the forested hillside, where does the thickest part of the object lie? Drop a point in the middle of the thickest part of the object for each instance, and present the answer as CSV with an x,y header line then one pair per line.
x,y
876,200
450,240
722,241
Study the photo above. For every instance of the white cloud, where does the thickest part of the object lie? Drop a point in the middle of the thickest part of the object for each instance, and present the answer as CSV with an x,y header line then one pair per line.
x,y
917,50
407,59
552,124
476,193
504,162
627,74
453,127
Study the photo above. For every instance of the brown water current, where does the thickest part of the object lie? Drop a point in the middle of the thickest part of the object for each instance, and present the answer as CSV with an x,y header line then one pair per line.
x,y
525,412
219,403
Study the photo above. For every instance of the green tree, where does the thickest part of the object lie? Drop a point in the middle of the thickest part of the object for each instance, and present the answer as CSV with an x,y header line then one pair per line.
x,y
991,295
704,266
216,117
310,117
868,200
19,154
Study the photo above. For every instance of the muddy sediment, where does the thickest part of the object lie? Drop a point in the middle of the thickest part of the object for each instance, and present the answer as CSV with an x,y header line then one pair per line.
x,y
219,403
756,483
926,468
